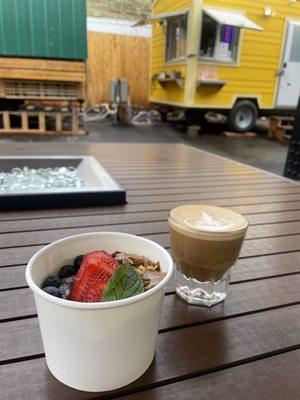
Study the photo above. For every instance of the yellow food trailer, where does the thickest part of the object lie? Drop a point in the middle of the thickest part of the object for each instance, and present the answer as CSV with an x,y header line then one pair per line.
x,y
238,57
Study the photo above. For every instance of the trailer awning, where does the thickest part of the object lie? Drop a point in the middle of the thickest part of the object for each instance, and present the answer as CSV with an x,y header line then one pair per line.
x,y
231,18
156,17
169,14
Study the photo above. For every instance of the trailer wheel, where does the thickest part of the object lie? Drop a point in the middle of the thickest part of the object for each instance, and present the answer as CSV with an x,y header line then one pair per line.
x,y
243,116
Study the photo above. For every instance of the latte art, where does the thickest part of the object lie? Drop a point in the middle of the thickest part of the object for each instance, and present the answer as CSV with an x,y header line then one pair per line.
x,y
207,222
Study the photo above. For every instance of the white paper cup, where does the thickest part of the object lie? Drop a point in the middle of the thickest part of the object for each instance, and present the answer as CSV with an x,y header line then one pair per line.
x,y
98,346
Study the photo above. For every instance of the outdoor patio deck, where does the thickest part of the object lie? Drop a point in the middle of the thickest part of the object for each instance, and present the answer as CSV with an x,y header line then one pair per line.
x,y
246,348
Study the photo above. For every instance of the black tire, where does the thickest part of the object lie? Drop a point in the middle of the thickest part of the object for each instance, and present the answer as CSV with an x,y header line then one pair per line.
x,y
243,116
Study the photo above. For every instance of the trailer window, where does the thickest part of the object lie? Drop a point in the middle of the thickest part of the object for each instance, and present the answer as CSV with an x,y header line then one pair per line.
x,y
218,42
295,50
176,38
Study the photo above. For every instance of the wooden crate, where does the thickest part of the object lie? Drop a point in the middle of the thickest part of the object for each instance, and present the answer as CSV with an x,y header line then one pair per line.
x,y
281,128
40,90
38,123
38,79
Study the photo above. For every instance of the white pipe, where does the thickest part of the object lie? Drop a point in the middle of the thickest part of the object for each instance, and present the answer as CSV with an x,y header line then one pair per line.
x,y
146,117
104,113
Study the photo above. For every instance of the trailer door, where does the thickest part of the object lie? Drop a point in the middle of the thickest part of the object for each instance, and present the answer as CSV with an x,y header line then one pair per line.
x,y
289,84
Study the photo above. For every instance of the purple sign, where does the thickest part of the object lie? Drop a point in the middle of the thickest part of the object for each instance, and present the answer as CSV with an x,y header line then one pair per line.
x,y
227,34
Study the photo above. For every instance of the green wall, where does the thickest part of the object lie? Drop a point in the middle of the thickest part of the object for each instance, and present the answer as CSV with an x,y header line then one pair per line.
x,y
43,29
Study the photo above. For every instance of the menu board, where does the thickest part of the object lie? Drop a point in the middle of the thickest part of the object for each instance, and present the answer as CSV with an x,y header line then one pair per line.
x,y
207,73
222,51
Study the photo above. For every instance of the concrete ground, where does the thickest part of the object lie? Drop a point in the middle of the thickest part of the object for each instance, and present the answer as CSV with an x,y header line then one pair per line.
x,y
259,152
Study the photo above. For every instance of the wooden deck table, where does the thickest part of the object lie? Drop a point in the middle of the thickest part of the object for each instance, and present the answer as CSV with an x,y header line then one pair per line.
x,y
247,348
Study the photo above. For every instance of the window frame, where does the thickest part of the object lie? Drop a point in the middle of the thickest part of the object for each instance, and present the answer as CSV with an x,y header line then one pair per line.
x,y
167,19
214,60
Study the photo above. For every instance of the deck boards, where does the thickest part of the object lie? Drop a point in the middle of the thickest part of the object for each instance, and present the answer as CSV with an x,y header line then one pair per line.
x,y
239,382
138,228
262,206
117,219
252,268
267,333
243,349
256,327
254,295
11,256
261,379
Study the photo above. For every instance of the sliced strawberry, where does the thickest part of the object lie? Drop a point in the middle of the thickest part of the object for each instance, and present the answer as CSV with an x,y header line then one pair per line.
x,y
94,273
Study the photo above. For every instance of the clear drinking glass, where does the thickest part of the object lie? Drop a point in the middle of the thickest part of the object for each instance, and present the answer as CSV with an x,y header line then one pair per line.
x,y
205,242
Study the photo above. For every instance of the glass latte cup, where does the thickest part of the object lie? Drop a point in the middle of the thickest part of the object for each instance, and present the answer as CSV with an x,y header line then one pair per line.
x,y
206,242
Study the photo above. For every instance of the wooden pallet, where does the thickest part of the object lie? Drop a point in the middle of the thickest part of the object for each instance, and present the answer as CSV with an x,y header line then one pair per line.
x,y
39,123
281,128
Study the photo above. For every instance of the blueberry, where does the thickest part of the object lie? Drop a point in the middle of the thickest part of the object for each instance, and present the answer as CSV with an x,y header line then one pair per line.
x,y
78,261
53,281
66,271
54,291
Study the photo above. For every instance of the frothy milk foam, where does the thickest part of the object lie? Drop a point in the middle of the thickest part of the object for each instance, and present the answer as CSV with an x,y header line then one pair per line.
x,y
214,222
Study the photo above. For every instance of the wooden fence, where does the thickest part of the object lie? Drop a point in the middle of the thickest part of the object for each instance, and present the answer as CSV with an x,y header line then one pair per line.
x,y
117,56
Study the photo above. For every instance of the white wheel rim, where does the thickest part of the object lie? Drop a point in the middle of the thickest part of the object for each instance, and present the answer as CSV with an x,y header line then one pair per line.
x,y
244,117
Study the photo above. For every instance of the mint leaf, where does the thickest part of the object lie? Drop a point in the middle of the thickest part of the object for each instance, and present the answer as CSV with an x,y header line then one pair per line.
x,y
125,282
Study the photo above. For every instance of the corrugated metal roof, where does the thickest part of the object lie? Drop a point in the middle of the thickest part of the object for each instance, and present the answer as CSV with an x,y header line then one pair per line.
x,y
43,29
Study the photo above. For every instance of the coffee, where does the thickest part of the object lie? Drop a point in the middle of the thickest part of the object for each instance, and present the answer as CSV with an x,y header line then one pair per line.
x,y
206,242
